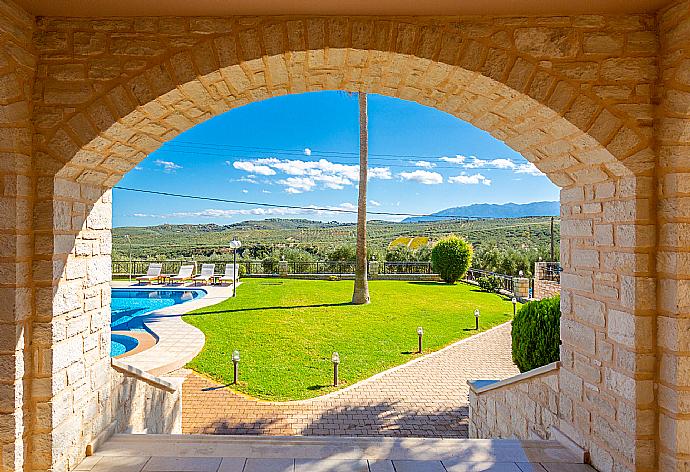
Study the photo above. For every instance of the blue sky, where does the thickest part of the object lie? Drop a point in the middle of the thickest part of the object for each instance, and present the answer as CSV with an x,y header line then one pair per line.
x,y
302,150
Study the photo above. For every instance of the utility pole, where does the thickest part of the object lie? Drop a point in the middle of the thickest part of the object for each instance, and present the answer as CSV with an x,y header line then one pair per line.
x,y
553,255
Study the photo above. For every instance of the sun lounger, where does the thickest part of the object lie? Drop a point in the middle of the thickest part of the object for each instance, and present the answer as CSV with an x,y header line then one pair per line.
x,y
206,274
231,273
184,275
153,273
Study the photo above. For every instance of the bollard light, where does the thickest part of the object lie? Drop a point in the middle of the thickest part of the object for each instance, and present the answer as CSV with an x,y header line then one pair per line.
x,y
235,362
420,333
335,358
514,306
476,319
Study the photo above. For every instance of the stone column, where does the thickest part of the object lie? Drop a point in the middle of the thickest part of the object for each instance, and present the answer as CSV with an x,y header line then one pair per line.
x,y
673,256
16,199
374,269
283,269
521,287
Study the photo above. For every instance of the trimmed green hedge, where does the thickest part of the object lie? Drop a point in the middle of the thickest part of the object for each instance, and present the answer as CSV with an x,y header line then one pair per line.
x,y
489,283
451,257
536,333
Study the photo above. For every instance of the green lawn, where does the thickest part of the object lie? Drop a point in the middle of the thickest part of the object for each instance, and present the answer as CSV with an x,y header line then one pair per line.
x,y
287,329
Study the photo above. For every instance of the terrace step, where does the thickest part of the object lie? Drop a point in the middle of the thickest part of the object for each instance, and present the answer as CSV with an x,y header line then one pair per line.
x,y
212,453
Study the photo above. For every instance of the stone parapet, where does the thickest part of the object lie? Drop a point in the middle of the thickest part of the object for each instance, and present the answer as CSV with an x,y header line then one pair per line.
x,y
524,406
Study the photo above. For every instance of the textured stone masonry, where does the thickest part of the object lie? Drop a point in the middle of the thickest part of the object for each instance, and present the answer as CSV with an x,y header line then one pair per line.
x,y
598,103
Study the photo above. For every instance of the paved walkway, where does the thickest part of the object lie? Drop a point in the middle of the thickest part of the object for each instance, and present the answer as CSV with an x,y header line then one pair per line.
x,y
178,342
423,398
173,453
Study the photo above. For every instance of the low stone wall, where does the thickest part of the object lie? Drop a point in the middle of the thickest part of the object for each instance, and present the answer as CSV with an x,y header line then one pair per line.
x,y
142,403
524,406
546,288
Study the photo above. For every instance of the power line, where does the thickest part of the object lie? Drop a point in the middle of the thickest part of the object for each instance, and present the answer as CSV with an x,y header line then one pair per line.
x,y
274,205
314,153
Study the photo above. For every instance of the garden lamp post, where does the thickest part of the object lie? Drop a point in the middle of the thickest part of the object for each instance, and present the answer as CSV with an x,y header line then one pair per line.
x,y
420,333
235,244
514,306
235,362
476,319
335,358
129,240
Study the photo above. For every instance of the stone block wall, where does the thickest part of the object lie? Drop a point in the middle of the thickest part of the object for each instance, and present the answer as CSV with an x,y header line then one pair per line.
x,y
672,327
545,289
142,403
521,407
17,74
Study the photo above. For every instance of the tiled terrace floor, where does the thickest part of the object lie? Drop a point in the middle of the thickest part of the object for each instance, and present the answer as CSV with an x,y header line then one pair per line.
x,y
424,398
141,453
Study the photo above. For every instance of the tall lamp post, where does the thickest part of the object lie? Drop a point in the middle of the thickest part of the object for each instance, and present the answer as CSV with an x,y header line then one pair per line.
x,y
235,244
129,240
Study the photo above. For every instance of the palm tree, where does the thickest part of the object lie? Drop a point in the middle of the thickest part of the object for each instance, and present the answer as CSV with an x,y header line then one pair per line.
x,y
360,296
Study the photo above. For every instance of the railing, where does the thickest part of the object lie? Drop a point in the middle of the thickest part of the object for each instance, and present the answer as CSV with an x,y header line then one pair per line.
x,y
406,268
474,275
550,271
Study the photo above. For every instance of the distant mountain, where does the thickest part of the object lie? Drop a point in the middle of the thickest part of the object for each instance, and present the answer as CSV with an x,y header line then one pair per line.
x,y
488,210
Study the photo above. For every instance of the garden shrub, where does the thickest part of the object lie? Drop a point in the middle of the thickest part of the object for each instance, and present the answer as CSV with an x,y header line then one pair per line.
x,y
535,333
451,257
490,283
241,271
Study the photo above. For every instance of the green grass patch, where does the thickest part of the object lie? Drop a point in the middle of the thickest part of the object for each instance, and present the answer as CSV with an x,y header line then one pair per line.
x,y
287,329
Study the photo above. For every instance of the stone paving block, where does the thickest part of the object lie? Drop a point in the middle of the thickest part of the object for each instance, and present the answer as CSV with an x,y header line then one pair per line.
x,y
269,465
232,464
182,464
418,466
88,463
120,464
530,467
481,466
381,466
556,467
331,465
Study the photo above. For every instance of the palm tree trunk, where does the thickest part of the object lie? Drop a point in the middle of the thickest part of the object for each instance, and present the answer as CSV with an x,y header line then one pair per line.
x,y
360,295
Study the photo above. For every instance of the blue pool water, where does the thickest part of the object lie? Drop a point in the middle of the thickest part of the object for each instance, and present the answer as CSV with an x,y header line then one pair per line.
x,y
119,344
130,306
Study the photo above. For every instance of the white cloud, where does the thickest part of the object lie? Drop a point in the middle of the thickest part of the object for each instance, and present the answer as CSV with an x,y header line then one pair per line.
x,y
374,203
454,160
383,173
312,174
425,164
528,168
253,168
423,177
168,166
138,168
348,206
474,162
307,152
244,190
465,179
298,184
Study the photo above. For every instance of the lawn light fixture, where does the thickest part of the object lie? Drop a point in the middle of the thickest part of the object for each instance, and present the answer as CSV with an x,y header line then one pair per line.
x,y
420,333
476,319
514,306
235,362
335,358
235,244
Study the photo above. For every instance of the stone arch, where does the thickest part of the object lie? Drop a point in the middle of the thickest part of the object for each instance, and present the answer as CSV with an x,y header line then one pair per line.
x,y
526,81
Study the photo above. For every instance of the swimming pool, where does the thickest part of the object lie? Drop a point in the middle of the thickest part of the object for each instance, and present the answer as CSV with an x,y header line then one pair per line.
x,y
119,344
130,306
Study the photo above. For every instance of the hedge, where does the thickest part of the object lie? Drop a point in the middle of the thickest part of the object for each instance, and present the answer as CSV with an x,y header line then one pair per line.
x,y
450,258
536,334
